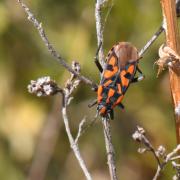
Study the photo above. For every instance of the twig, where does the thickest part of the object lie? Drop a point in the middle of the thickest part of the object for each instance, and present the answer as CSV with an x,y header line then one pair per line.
x,y
172,40
45,87
74,145
151,41
139,136
99,29
158,173
158,32
71,85
50,48
160,154
168,158
106,123
80,130
109,149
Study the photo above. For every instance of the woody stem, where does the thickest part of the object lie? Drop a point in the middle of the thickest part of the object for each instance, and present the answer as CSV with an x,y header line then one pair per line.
x,y
172,40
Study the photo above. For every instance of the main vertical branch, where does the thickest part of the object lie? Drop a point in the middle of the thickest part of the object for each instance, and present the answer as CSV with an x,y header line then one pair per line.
x,y
172,40
106,123
99,28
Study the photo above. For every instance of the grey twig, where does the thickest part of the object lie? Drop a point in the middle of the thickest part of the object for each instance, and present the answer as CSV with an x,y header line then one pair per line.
x,y
109,149
49,46
71,85
160,154
74,145
99,28
45,87
80,130
106,122
151,41
169,157
158,32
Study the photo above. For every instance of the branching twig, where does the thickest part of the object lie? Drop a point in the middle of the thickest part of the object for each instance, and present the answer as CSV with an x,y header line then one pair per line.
x,y
80,130
49,46
45,87
71,85
160,154
106,123
74,145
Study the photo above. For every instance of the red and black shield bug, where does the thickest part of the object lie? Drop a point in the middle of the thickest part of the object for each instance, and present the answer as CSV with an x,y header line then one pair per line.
x,y
118,73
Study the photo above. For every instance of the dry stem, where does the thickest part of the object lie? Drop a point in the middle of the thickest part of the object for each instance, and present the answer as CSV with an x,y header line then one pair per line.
x,y
49,46
172,40
160,154
106,123
74,145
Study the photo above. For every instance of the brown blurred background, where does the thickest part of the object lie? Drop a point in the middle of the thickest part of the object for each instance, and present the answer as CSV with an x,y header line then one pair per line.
x,y
32,135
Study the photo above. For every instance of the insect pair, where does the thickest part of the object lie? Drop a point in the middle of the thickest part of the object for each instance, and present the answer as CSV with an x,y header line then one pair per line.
x,y
121,65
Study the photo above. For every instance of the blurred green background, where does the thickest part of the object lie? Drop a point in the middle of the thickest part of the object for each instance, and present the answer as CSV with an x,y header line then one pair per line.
x,y
33,142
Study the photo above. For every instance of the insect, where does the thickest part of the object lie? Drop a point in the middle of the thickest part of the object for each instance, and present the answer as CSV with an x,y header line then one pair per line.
x,y
118,73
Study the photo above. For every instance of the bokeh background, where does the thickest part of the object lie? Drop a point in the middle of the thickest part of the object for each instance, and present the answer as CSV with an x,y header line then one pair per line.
x,y
33,142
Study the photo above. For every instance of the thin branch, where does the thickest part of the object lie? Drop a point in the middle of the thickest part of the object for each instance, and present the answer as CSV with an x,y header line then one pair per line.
x,y
167,159
140,136
74,145
106,123
50,48
45,87
70,86
158,32
151,41
80,130
99,29
160,154
158,173
109,149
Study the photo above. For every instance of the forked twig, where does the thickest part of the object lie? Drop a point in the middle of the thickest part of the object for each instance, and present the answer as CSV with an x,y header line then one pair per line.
x,y
159,154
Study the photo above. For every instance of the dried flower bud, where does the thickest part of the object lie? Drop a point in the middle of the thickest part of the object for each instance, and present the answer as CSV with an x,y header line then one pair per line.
x,y
175,177
161,151
76,66
174,164
43,86
137,136
142,150
141,130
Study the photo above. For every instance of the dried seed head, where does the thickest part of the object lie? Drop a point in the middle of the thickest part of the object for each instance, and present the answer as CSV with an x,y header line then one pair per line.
x,y
141,130
76,66
142,150
175,177
43,86
137,136
161,151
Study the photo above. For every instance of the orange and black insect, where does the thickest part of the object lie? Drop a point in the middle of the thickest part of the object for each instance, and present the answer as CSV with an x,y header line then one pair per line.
x,y
118,73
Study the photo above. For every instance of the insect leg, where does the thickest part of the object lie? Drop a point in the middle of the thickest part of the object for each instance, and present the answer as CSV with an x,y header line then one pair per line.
x,y
94,102
96,60
121,106
111,114
140,78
